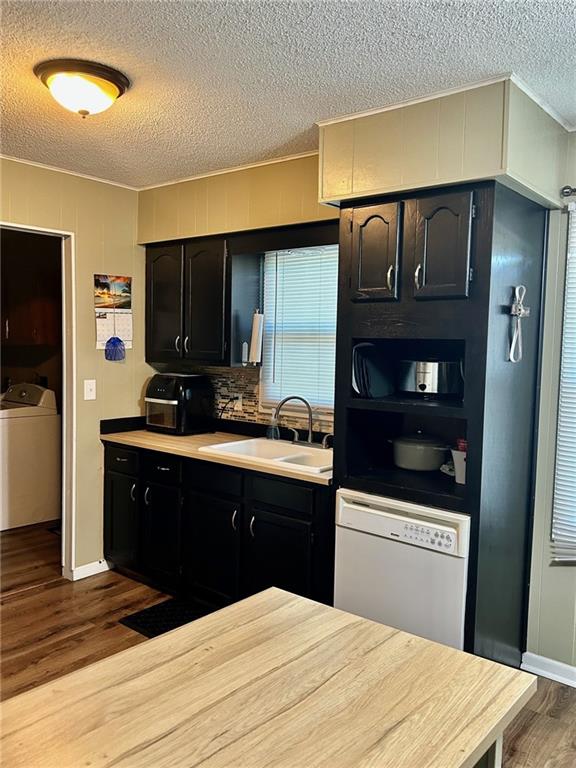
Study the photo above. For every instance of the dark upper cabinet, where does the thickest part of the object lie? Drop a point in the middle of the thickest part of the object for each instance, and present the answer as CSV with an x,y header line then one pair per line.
x,y
442,228
211,547
121,519
199,303
278,553
204,301
31,295
160,533
164,302
375,252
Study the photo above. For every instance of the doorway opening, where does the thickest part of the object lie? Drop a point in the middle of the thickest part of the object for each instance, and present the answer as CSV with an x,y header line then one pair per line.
x,y
34,418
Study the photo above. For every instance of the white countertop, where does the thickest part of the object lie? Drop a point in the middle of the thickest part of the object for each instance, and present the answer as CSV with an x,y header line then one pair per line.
x,y
189,445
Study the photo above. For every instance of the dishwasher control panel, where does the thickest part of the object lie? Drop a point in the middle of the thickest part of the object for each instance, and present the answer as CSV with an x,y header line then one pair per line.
x,y
425,527
438,537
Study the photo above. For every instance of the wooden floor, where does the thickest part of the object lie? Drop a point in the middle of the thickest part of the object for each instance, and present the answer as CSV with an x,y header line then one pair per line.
x,y
543,735
51,626
29,556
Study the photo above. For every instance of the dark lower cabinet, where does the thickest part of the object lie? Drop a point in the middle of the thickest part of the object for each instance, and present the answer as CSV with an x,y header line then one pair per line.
x,y
160,534
121,519
277,552
211,547
216,533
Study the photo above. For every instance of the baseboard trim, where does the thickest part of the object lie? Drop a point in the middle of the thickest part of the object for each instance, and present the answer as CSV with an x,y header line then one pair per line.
x,y
90,569
554,670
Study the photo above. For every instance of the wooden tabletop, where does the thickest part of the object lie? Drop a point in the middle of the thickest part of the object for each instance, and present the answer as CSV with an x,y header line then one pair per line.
x,y
276,681
189,445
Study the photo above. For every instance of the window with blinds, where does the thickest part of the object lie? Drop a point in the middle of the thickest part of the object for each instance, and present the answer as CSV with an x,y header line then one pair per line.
x,y
564,509
298,355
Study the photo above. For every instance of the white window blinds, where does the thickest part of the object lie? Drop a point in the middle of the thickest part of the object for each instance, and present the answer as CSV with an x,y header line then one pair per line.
x,y
298,356
564,509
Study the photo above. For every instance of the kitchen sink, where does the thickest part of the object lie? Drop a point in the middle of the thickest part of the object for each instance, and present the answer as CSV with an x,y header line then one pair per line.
x,y
273,452
315,462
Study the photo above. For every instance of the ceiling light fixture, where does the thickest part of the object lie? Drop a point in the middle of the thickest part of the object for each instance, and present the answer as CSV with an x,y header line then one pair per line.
x,y
84,87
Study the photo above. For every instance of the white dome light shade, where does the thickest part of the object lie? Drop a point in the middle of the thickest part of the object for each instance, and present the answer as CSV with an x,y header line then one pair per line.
x,y
83,87
83,94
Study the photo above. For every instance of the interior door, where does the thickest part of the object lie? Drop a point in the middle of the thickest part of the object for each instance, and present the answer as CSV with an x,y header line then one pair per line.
x,y
164,294
211,547
442,245
375,252
277,552
205,293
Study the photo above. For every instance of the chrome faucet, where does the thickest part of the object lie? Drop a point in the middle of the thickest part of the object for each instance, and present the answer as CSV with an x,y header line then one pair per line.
x,y
273,433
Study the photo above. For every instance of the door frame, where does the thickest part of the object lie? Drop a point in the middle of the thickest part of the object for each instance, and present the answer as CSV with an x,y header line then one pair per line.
x,y
68,478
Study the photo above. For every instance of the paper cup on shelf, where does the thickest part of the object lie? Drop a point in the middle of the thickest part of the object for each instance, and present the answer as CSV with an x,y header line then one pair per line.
x,y
459,459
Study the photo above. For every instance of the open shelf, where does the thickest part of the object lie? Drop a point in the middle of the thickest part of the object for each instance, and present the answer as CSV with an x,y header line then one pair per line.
x,y
371,428
429,488
418,407
403,370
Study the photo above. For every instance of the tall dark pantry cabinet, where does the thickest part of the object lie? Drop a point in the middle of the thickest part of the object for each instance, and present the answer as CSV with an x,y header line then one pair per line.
x,y
432,275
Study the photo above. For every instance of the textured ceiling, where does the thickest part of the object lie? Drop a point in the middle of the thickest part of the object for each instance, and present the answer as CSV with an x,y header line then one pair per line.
x,y
219,84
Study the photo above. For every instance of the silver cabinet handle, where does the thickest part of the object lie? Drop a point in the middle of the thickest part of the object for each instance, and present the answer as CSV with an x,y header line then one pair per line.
x,y
417,272
147,496
186,345
177,343
389,277
163,469
121,460
133,492
234,516
7,328
252,527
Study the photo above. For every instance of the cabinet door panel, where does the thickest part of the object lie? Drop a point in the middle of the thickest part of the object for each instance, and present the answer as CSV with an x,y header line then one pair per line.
x,y
161,558
31,289
164,286
443,227
277,553
121,519
375,252
204,301
211,547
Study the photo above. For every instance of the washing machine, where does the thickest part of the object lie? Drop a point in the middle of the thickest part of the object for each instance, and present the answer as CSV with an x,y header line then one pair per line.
x,y
30,456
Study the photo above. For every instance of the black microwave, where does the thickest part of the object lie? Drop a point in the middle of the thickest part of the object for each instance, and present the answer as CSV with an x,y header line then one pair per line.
x,y
179,404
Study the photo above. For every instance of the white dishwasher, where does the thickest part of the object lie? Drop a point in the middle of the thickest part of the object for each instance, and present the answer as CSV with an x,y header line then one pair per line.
x,y
402,564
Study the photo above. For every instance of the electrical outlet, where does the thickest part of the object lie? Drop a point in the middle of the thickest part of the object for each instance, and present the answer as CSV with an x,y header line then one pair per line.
x,y
238,404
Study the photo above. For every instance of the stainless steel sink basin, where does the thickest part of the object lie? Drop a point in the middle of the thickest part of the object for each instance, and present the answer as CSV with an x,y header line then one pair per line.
x,y
275,452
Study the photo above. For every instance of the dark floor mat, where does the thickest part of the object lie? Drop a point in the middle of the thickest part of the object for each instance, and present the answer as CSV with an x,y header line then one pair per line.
x,y
165,616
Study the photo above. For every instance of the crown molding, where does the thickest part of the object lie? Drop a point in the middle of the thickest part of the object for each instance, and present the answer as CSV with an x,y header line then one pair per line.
x,y
67,172
232,169
220,172
542,103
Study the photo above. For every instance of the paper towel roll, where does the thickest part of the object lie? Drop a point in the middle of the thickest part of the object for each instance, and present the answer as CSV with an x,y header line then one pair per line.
x,y
255,355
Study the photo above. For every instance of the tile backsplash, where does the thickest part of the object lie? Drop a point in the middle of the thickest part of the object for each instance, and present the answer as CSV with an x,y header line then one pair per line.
x,y
246,382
